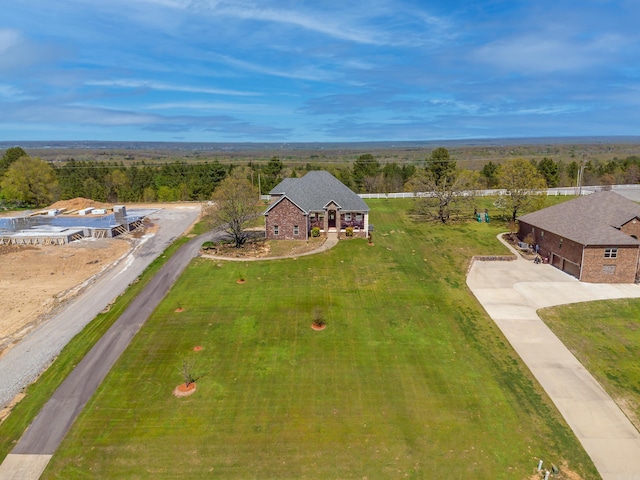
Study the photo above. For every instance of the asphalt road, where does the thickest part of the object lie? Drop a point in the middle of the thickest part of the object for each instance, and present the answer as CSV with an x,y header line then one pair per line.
x,y
53,422
23,363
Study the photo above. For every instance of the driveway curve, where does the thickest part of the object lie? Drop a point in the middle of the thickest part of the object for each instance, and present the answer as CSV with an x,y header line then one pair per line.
x,y
511,292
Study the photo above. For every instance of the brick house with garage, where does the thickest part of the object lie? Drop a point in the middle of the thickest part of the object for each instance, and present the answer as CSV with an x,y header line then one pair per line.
x,y
594,238
316,200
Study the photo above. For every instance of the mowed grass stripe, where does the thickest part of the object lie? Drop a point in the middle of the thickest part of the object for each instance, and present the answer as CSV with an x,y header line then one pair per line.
x,y
410,379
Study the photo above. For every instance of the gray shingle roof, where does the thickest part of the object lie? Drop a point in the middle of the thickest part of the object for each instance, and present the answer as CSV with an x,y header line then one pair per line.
x,y
316,189
589,220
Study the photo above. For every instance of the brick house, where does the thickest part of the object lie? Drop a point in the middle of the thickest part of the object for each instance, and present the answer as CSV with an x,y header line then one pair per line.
x,y
316,200
594,238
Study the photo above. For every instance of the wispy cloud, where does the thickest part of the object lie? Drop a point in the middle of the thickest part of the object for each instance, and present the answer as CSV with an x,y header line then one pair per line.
x,y
17,52
312,73
12,94
547,52
319,21
154,85
300,70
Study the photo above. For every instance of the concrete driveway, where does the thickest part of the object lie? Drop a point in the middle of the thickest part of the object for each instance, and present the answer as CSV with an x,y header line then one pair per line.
x,y
511,292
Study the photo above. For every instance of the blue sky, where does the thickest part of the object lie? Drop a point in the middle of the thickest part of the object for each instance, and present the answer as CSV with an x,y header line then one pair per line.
x,y
287,71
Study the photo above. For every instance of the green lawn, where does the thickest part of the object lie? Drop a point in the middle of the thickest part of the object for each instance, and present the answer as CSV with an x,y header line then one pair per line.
x,y
38,393
605,337
410,379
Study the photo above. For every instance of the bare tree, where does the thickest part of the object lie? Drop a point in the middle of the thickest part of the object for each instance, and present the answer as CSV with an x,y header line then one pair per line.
x,y
236,202
446,188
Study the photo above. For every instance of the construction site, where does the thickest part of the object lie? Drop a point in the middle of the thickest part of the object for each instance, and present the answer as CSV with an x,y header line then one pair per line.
x,y
59,226
48,256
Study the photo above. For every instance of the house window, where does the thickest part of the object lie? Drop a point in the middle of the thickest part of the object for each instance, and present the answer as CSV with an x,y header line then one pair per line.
x,y
561,242
276,230
347,217
610,253
358,217
296,230
542,233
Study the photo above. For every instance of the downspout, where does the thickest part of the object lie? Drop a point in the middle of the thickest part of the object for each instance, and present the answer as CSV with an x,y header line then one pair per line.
x,y
582,262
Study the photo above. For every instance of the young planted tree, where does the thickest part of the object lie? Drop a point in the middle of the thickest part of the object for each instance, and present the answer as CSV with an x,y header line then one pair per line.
x,y
523,184
236,203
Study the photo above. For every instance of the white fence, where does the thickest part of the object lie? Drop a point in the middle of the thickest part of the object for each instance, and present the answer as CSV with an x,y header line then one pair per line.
x,y
585,190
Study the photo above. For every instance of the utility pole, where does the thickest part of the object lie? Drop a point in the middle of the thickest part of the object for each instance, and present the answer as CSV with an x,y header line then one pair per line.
x,y
580,174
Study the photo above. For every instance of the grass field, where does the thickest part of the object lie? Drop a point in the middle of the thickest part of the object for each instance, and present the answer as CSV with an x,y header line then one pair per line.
x,y
38,393
605,337
410,379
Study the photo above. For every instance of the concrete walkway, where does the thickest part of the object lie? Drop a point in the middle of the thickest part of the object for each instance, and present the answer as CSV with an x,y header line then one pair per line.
x,y
511,292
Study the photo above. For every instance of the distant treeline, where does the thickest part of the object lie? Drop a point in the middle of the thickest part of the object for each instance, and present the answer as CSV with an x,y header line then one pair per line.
x,y
31,181
111,182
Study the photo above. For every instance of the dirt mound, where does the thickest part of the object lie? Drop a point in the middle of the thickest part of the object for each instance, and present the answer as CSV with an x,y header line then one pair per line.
x,y
79,203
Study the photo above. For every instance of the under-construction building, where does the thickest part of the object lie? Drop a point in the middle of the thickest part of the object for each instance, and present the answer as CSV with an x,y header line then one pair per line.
x,y
57,227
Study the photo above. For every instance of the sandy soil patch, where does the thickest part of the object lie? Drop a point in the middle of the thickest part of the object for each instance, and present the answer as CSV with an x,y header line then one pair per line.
x,y
36,279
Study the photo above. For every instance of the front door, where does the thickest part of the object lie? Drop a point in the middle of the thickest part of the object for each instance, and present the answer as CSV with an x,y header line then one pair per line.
x,y
332,219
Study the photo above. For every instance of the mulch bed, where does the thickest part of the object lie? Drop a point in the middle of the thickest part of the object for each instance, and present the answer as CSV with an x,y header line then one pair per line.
x,y
184,390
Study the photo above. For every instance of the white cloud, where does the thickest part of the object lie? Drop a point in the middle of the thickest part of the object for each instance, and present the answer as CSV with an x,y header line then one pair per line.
x,y
309,73
542,53
252,108
124,83
8,40
11,93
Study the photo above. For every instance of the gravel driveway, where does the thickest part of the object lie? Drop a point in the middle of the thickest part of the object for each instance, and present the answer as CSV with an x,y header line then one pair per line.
x,y
23,363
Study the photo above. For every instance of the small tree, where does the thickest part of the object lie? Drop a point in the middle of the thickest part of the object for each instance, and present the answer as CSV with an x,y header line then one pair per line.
x,y
236,202
318,316
187,371
445,186
523,184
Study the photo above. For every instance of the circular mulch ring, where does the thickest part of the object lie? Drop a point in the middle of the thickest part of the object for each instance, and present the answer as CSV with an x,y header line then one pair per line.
x,y
197,348
240,280
184,390
179,309
318,327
